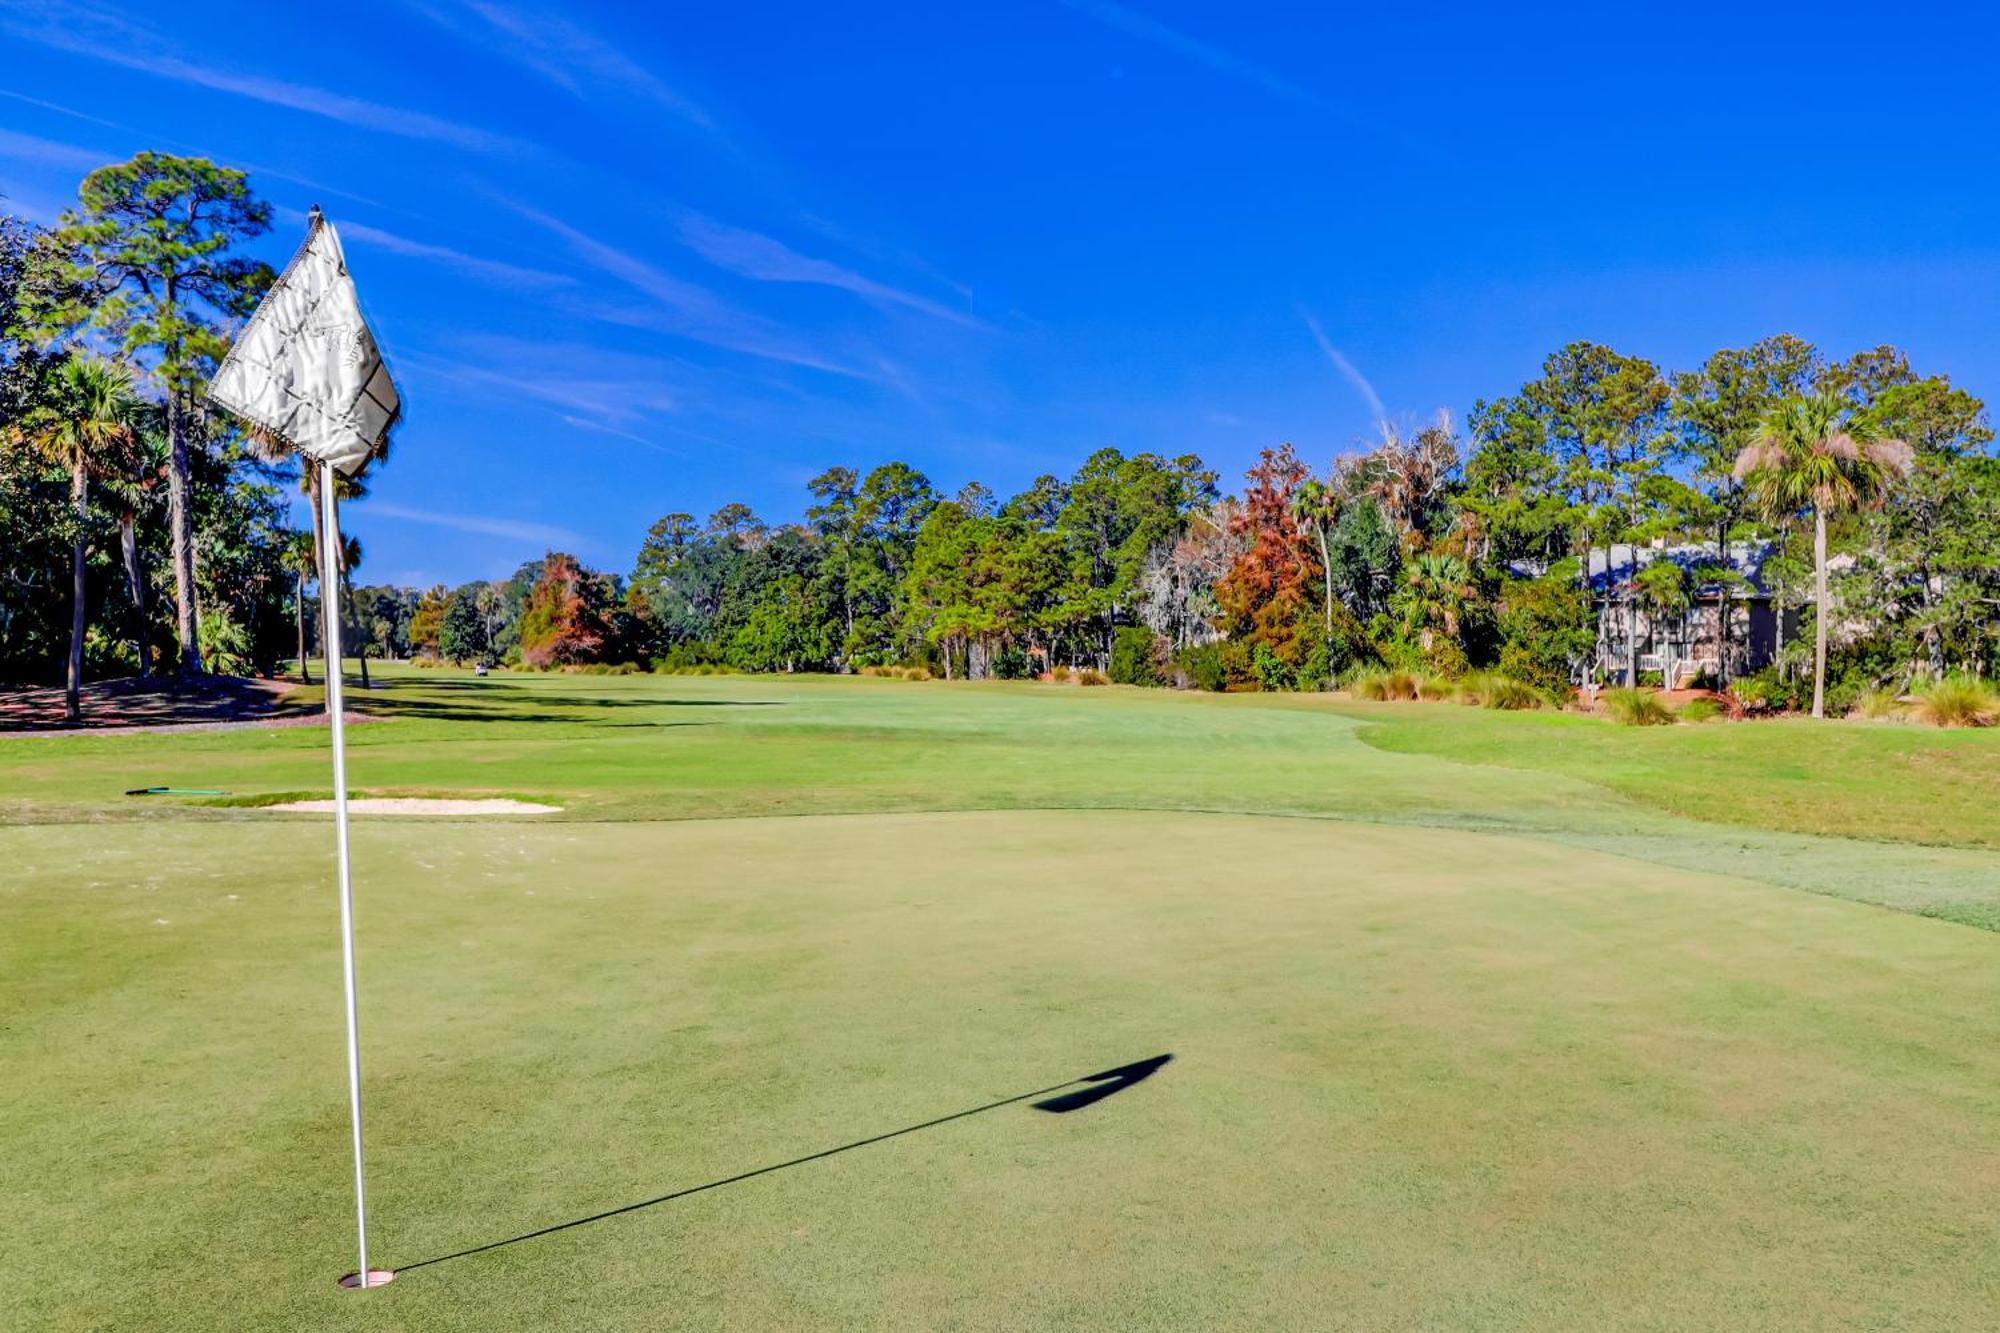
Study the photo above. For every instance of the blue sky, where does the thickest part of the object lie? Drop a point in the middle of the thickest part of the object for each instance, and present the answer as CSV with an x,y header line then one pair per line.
x,y
626,260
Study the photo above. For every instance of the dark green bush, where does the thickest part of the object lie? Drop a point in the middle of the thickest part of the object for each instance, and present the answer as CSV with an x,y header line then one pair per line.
x,y
1202,667
1135,656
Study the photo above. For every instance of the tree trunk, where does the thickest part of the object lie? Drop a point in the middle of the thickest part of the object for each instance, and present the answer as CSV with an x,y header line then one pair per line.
x,y
299,615
1722,614
313,474
360,640
135,583
73,680
1820,611
180,484
1632,630
1326,570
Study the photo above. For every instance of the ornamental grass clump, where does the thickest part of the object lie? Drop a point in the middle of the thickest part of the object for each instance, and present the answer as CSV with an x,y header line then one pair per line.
x,y
1435,689
1703,708
1383,685
1958,701
1493,689
1879,705
1637,708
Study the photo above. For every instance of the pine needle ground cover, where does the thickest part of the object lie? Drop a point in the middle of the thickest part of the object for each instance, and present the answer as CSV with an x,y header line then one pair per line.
x,y
1456,1044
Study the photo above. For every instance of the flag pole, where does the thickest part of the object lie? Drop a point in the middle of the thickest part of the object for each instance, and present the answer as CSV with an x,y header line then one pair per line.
x,y
329,600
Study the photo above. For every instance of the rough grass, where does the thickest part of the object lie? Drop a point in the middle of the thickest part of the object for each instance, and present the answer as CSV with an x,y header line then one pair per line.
x,y
1461,1043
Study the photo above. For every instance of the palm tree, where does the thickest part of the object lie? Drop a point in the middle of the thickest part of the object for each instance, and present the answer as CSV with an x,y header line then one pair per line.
x,y
275,449
88,430
131,490
302,554
1317,505
1436,590
350,559
1807,453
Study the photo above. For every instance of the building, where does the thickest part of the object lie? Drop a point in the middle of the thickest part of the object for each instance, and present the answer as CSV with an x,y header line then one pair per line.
x,y
1699,627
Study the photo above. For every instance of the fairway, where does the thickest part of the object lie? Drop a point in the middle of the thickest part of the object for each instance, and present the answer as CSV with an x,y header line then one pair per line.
x,y
1455,1045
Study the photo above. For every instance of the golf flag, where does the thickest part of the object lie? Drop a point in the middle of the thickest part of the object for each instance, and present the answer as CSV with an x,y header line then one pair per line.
x,y
307,370
306,367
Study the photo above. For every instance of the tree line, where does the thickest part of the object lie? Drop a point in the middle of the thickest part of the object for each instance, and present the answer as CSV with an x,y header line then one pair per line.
x,y
1874,486
146,532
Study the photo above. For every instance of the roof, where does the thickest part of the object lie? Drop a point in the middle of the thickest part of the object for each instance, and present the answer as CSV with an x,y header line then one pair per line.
x,y
1613,566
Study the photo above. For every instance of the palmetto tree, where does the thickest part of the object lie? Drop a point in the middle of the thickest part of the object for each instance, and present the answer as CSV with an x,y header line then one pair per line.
x,y
274,449
87,430
1436,591
1808,454
132,490
1317,505
302,554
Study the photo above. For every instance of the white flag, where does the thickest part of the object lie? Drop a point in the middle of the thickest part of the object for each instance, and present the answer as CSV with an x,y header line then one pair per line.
x,y
306,367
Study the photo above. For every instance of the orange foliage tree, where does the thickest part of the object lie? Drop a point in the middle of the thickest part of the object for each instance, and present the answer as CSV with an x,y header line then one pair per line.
x,y
1268,595
563,623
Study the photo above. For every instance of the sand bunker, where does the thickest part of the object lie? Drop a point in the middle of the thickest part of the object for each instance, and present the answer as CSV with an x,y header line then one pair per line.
x,y
420,805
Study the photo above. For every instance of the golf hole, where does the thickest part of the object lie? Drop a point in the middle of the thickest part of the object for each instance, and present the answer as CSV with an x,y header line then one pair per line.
x,y
377,1277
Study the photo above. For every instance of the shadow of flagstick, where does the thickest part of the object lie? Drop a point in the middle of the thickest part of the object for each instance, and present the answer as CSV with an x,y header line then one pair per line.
x,y
1102,1084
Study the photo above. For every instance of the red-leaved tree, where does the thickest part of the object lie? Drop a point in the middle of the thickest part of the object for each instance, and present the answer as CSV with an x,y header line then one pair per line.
x,y
562,622
1269,588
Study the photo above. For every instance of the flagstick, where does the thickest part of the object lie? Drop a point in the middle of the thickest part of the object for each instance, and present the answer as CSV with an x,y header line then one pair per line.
x,y
329,583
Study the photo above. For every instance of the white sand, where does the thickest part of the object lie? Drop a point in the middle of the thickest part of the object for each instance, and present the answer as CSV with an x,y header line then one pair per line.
x,y
420,805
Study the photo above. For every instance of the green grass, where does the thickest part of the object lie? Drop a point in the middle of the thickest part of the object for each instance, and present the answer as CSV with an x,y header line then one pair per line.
x,y
1461,1042
1834,777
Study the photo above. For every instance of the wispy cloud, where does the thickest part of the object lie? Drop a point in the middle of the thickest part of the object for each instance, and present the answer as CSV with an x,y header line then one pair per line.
x,y
546,374
754,255
685,309
512,275
48,152
486,525
1148,29
1379,416
565,53
582,423
101,35
155,138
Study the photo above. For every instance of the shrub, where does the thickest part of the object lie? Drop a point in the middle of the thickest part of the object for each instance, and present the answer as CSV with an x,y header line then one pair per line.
x,y
1272,671
1383,684
1958,701
1201,668
1435,689
1769,690
1493,689
1878,705
1011,663
1637,708
1135,658
1059,674
1092,676
1702,708
1545,625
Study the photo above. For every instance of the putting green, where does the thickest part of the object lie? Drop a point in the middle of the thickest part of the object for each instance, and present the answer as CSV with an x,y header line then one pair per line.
x,y
1424,1078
